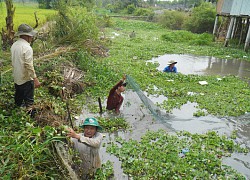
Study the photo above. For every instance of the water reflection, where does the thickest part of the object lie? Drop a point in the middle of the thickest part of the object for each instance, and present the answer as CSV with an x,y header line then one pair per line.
x,y
205,65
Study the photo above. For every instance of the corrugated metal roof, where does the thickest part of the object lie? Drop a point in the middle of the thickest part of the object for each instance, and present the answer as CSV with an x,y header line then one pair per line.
x,y
233,7
245,8
236,7
226,6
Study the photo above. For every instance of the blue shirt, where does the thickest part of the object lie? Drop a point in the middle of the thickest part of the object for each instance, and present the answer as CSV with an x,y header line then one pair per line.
x,y
167,69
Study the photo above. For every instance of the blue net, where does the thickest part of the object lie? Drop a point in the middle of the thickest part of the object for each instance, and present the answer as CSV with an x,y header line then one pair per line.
x,y
156,112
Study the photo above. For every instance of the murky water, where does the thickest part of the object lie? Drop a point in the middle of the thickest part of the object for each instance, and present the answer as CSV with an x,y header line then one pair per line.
x,y
141,120
183,119
205,65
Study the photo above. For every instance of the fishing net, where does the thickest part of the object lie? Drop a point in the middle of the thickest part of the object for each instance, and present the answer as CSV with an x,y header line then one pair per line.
x,y
156,112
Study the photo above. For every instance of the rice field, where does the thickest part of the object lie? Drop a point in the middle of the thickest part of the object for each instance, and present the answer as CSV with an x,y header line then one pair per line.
x,y
24,13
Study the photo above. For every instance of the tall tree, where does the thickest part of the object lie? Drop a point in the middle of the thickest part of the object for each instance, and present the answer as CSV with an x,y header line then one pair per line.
x,y
45,4
8,34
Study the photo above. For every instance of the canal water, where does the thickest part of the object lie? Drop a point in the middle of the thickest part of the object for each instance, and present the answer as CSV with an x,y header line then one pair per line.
x,y
205,65
141,120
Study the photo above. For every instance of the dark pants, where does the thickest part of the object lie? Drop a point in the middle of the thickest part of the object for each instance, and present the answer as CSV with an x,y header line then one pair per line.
x,y
24,94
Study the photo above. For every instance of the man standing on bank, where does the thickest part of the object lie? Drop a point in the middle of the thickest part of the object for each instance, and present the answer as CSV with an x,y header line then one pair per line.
x,y
23,70
171,67
115,98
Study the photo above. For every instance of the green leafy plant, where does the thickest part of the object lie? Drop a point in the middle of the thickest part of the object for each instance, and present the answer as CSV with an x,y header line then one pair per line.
x,y
202,19
171,19
131,8
105,172
113,124
75,25
201,158
199,113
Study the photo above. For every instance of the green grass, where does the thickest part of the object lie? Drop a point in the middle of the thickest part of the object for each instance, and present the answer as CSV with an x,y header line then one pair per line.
x,y
24,13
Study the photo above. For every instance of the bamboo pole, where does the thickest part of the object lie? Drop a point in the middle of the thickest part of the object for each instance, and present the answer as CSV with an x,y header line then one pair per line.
x,y
234,27
215,25
247,39
241,30
229,31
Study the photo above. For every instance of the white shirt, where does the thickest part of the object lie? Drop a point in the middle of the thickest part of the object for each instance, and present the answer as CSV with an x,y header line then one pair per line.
x,y
22,62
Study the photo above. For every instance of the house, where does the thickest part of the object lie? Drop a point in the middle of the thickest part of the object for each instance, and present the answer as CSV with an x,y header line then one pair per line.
x,y
238,11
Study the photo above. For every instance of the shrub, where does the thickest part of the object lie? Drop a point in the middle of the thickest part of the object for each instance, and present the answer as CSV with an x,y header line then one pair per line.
x,y
188,37
130,9
202,19
114,8
143,12
202,39
105,21
171,19
178,36
76,25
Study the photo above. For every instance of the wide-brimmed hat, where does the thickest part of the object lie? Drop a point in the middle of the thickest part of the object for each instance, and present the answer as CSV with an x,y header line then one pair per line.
x,y
172,62
91,122
25,29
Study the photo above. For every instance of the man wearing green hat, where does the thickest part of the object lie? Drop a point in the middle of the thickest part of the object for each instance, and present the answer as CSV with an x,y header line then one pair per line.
x,y
88,144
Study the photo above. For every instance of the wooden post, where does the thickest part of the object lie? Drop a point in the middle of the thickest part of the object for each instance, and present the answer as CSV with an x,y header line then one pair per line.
x,y
229,31
241,30
100,104
247,39
234,26
215,25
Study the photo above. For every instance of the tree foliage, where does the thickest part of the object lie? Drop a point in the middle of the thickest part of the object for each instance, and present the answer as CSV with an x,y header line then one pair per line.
x,y
187,3
202,19
119,5
49,4
7,35
74,25
172,19
45,4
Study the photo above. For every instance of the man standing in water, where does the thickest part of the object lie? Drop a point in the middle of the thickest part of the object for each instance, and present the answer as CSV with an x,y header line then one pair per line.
x,y
23,70
171,67
115,98
88,144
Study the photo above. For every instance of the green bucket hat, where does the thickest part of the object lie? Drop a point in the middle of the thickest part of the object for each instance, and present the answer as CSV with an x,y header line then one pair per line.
x,y
91,122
